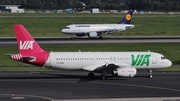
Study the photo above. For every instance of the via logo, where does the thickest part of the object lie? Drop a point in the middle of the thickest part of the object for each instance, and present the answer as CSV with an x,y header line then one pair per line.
x,y
26,45
140,59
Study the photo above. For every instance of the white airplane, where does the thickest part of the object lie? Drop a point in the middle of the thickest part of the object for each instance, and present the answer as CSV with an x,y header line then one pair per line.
x,y
97,30
116,63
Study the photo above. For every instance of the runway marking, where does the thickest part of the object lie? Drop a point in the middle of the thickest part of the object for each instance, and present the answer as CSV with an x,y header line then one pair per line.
x,y
22,96
41,80
134,85
18,98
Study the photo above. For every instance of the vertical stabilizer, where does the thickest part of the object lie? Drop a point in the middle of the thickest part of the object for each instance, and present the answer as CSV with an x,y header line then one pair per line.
x,y
30,51
26,43
127,18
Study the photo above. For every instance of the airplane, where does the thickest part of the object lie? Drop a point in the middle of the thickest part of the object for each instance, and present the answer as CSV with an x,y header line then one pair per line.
x,y
123,64
97,30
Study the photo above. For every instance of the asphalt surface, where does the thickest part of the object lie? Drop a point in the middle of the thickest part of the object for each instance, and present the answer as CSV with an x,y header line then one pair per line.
x,y
11,41
76,85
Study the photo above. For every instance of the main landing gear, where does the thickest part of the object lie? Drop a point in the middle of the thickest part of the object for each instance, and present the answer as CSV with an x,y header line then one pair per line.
x,y
100,37
91,76
72,37
150,73
103,77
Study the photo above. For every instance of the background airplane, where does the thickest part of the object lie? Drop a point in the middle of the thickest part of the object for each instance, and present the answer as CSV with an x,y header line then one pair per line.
x,y
97,30
116,63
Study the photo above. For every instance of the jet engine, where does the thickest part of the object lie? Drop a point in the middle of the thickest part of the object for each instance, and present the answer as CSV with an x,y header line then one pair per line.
x,y
125,72
92,34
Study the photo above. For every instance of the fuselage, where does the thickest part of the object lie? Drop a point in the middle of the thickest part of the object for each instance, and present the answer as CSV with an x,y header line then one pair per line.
x,y
99,28
79,60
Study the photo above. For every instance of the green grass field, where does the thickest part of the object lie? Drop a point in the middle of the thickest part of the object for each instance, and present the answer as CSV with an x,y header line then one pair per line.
x,y
49,25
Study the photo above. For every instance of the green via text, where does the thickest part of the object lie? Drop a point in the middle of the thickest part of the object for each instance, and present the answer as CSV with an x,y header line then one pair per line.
x,y
140,60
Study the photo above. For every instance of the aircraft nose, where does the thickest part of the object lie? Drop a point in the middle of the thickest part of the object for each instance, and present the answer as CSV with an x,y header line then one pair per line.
x,y
169,63
62,30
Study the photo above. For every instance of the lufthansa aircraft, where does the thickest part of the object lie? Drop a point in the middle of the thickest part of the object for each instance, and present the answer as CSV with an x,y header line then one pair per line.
x,y
97,30
116,63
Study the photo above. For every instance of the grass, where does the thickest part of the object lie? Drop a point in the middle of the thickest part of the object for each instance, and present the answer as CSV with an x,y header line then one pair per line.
x,y
174,68
44,26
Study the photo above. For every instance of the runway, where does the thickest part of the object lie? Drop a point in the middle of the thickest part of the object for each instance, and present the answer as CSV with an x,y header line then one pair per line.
x,y
11,41
76,85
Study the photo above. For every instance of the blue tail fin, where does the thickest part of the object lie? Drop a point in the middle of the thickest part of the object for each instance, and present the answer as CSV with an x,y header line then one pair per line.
x,y
127,18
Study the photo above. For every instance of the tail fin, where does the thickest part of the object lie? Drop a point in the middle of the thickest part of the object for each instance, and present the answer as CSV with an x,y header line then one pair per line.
x,y
30,51
127,18
26,42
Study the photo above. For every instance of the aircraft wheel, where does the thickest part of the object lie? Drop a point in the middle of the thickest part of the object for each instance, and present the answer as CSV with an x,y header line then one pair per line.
x,y
100,37
91,75
72,36
150,73
150,76
103,77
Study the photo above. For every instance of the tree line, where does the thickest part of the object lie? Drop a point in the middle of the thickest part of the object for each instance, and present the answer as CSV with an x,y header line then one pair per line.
x,y
148,5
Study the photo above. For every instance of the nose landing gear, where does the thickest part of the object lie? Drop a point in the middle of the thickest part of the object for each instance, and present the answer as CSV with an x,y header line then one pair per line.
x,y
150,73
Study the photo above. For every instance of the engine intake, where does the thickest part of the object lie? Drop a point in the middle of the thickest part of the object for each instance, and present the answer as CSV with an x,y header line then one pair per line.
x,y
125,72
92,34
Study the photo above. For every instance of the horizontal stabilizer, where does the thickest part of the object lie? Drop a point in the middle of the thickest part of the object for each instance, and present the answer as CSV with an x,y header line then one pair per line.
x,y
19,57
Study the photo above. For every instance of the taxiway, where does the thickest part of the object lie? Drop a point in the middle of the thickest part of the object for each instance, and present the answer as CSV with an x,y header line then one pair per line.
x,y
11,41
76,85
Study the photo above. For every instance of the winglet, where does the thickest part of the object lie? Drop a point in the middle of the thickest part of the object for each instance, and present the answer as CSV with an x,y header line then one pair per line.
x,y
127,18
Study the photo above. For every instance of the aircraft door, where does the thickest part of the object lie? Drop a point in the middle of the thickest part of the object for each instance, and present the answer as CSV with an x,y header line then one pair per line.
x,y
113,59
73,28
154,60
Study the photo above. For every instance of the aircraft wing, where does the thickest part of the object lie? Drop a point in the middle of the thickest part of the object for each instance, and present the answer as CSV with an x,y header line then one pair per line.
x,y
107,66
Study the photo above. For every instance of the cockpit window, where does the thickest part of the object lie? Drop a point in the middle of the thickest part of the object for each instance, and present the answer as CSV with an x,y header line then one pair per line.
x,y
162,58
67,28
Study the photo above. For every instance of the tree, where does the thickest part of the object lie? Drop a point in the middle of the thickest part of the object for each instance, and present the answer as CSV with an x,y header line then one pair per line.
x,y
151,5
